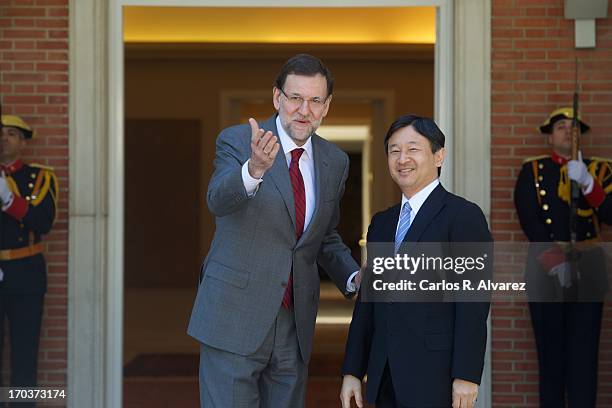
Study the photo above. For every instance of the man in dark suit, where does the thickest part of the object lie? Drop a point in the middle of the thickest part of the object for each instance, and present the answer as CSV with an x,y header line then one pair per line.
x,y
418,354
566,310
276,217
28,197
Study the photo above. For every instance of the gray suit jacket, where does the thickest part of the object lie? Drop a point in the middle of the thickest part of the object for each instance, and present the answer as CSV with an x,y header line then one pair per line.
x,y
254,247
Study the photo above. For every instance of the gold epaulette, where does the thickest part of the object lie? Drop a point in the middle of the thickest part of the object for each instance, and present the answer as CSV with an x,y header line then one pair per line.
x,y
601,169
530,159
46,183
41,166
600,159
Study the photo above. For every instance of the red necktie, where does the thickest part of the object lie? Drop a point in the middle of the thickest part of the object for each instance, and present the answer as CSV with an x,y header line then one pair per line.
x,y
299,197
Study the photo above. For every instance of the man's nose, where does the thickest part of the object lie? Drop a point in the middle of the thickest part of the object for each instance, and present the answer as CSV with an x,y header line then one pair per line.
x,y
403,157
304,108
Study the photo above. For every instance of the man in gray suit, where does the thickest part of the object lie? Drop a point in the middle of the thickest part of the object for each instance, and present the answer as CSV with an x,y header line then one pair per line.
x,y
275,194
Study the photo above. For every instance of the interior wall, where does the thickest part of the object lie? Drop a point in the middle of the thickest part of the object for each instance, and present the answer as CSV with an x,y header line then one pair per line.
x,y
162,206
191,89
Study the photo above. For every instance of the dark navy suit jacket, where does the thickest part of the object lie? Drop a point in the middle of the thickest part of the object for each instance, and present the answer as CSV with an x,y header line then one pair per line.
x,y
426,344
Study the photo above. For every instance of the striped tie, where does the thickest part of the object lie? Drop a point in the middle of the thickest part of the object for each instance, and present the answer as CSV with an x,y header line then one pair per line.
x,y
404,224
299,198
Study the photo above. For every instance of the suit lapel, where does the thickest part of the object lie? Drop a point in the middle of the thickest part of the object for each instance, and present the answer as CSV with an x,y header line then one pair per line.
x,y
390,225
430,208
279,172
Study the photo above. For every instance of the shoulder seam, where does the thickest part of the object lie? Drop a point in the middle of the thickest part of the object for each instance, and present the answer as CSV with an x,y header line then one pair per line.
x,y
41,166
530,159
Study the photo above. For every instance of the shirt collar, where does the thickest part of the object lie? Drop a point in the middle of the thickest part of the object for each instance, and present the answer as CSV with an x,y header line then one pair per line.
x,y
288,144
417,200
12,168
560,160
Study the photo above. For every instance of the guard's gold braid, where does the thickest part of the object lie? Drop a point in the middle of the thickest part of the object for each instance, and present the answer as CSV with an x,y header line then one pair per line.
x,y
563,188
534,168
592,168
13,186
54,191
43,190
38,183
606,174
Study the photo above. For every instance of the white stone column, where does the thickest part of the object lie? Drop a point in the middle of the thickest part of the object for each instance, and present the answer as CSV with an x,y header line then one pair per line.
x,y
472,125
87,213
472,112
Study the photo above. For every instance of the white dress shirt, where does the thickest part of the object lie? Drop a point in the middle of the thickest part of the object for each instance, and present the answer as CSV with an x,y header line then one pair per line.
x,y
416,201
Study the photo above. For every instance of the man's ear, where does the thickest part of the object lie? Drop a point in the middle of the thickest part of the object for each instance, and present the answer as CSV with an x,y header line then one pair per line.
x,y
276,97
439,157
326,109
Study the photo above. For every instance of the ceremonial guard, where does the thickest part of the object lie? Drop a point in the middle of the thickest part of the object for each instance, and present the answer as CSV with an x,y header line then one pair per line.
x,y
28,197
565,274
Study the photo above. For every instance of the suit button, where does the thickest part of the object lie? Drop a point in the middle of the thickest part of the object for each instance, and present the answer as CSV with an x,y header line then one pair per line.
x,y
548,221
545,207
542,193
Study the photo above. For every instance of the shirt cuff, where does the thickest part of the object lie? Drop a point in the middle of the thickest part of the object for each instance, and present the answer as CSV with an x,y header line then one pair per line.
x,y
596,196
250,184
17,208
8,203
350,284
589,187
552,257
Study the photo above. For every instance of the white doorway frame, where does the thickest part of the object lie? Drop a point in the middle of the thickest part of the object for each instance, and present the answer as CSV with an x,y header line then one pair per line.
x,y
95,304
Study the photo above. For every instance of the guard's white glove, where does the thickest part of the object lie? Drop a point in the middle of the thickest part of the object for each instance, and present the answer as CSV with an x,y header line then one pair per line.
x,y
6,196
577,171
563,272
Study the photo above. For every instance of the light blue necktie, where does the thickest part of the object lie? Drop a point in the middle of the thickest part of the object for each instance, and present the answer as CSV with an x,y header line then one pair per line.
x,y
404,224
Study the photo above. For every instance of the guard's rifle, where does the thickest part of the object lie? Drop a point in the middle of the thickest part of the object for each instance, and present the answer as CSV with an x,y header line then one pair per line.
x,y
2,175
575,188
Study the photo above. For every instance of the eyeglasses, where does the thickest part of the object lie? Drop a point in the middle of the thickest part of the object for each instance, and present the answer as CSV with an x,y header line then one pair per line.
x,y
315,104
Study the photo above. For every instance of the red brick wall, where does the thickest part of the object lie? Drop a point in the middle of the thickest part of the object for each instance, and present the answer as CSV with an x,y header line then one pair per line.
x,y
34,85
533,73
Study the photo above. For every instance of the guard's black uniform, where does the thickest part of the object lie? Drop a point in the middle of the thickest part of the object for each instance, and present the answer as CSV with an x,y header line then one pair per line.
x,y
566,332
24,279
